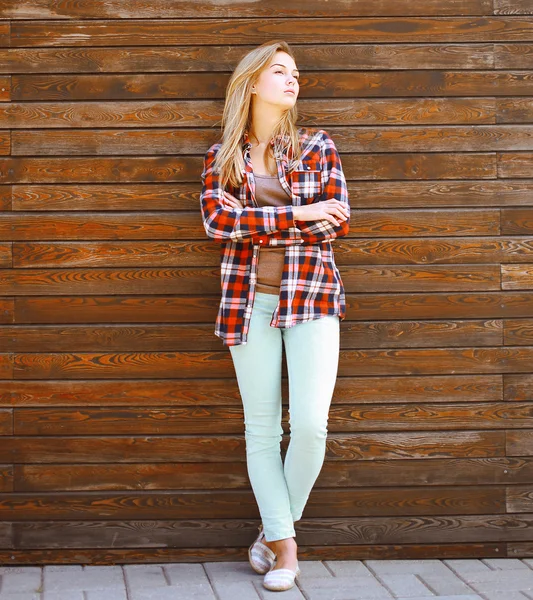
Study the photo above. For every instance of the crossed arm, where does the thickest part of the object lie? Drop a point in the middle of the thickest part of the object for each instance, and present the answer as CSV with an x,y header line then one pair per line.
x,y
225,219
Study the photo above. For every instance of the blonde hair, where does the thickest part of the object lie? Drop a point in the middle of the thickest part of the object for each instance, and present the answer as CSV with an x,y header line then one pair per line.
x,y
236,117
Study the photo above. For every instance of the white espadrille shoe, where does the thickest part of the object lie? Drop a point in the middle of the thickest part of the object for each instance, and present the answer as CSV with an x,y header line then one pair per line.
x,y
261,556
279,580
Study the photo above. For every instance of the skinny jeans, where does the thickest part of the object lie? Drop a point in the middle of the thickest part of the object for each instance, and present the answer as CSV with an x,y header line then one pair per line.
x,y
281,488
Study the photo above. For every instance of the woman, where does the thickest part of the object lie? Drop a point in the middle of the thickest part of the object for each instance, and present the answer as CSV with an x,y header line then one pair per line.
x,y
274,195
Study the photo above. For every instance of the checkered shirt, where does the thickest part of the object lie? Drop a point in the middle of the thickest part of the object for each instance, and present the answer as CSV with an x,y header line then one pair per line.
x,y
311,286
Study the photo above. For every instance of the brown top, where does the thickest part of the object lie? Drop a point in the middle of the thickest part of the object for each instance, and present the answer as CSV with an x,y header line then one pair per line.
x,y
270,192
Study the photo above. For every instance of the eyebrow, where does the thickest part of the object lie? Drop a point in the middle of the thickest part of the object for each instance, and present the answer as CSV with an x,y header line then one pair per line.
x,y
280,65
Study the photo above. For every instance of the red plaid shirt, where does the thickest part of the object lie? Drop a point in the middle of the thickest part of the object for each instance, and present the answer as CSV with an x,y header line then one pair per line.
x,y
311,286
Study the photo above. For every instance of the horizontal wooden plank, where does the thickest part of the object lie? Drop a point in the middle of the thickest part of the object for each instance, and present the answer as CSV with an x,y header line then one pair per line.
x,y
166,554
519,499
445,500
515,164
313,84
160,141
333,530
191,280
188,226
184,196
6,258
513,56
420,278
5,197
98,32
232,448
6,478
100,169
203,113
7,310
5,29
518,387
517,221
120,196
512,7
119,281
117,309
5,88
6,421
418,251
514,110
518,332
229,420
472,165
519,442
159,337
6,366
5,143
348,251
224,392
158,9
153,365
184,309
118,254
117,226
517,277
205,476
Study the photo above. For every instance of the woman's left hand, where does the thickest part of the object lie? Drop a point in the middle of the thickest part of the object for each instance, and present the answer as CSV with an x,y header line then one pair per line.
x,y
229,200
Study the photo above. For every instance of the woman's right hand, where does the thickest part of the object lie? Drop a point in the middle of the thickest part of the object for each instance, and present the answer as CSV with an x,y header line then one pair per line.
x,y
332,210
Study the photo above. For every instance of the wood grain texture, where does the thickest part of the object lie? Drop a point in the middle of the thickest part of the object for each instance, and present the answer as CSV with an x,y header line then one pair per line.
x,y
121,422
51,9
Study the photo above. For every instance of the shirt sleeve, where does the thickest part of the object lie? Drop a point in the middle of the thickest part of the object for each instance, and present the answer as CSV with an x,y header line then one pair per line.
x,y
315,232
226,223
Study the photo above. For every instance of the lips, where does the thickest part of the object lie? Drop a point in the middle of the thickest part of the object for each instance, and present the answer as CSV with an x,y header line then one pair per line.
x,y
291,91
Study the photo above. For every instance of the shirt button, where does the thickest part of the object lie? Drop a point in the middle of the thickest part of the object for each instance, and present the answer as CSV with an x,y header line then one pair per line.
x,y
260,241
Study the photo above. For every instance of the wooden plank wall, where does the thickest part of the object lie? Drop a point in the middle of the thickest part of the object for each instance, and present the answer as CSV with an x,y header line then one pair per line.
x,y
121,425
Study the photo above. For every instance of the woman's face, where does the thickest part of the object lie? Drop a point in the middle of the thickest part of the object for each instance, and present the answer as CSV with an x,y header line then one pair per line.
x,y
274,81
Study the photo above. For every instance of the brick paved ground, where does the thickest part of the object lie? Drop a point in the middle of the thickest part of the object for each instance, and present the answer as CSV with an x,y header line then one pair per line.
x,y
485,579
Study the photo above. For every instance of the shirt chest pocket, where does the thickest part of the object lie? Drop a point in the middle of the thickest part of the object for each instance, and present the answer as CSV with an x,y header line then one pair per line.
x,y
307,183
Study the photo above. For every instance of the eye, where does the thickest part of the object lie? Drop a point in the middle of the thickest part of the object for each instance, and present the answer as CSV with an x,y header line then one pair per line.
x,y
297,77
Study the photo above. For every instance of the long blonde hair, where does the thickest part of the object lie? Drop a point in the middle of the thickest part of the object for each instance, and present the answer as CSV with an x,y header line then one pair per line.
x,y
236,117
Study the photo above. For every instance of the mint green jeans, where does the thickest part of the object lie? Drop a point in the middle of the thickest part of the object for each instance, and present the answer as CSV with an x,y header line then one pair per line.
x,y
281,489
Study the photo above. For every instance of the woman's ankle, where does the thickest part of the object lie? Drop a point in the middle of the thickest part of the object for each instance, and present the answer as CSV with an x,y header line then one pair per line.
x,y
286,545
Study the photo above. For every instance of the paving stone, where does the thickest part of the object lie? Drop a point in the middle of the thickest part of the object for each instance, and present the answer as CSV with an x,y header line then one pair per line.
x,y
505,563
463,566
243,590
446,584
188,573
504,596
313,568
237,571
23,596
70,595
25,581
293,594
404,566
106,595
181,592
140,576
468,597
344,568
343,588
404,585
27,570
517,584
495,581
89,578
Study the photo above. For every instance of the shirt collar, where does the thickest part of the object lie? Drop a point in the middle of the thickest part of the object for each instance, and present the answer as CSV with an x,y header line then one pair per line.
x,y
248,144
